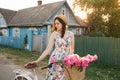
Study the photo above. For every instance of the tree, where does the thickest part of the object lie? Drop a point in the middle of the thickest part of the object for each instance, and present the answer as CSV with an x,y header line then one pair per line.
x,y
103,15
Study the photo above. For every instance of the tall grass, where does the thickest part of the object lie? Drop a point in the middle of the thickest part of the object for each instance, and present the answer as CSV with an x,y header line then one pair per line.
x,y
95,70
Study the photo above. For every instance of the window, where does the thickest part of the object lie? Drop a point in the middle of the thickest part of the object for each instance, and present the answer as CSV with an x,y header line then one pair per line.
x,y
4,32
16,32
63,11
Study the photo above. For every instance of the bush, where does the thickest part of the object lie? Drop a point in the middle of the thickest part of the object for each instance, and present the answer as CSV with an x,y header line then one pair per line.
x,y
96,34
1,34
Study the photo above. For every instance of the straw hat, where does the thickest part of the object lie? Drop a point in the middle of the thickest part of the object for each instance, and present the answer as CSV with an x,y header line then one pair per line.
x,y
63,17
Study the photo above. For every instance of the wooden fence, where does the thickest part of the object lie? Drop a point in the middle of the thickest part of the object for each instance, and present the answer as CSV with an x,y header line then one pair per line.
x,y
107,48
12,42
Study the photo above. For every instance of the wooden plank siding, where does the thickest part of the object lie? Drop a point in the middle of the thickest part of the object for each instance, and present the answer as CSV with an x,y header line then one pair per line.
x,y
107,48
12,42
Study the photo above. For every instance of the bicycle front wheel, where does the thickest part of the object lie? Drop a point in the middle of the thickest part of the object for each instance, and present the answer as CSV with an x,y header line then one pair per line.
x,y
22,77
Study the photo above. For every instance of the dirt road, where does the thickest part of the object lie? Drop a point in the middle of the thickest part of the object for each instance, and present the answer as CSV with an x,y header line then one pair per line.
x,y
7,66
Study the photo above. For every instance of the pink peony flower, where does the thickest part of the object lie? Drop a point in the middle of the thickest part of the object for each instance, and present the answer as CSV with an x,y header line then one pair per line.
x,y
95,57
89,57
85,62
68,64
77,60
68,61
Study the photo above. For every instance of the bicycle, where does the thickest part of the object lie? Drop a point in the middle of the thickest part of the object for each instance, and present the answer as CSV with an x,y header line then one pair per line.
x,y
25,75
21,74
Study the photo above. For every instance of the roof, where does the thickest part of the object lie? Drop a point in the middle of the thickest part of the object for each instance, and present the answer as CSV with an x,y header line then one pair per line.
x,y
81,22
35,16
7,14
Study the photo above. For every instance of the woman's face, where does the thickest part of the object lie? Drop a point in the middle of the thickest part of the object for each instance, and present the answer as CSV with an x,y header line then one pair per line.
x,y
58,25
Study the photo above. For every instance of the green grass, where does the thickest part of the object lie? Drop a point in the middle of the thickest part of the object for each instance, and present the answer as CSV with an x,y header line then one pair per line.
x,y
95,70
99,71
20,57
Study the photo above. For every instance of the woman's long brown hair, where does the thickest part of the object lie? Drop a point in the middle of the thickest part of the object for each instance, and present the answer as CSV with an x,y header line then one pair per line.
x,y
63,26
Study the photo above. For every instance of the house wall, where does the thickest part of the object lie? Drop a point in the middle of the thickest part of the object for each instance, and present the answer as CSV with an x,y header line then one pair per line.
x,y
21,32
29,32
37,34
24,30
10,31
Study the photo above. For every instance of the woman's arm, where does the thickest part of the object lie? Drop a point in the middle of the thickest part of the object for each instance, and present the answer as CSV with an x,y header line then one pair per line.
x,y
72,43
48,49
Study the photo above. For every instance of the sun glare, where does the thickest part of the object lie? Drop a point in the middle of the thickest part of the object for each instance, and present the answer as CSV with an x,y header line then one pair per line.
x,y
80,13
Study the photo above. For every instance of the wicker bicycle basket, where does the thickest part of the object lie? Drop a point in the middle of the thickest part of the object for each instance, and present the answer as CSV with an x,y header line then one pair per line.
x,y
73,73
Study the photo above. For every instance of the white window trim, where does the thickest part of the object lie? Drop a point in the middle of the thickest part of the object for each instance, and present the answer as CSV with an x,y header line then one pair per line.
x,y
4,32
16,34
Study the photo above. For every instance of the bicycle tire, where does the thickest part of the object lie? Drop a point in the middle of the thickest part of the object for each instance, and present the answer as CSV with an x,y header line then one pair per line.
x,y
22,77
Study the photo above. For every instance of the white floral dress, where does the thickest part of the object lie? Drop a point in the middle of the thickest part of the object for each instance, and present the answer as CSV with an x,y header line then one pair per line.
x,y
62,48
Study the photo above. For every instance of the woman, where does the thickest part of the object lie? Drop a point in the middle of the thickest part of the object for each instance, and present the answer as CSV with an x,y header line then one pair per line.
x,y
64,45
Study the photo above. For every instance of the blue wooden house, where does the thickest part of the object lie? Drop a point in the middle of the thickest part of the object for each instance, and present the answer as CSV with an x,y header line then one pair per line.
x,y
33,25
5,17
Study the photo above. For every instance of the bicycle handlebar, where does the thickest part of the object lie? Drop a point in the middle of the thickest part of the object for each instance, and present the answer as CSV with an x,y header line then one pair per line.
x,y
31,66
48,66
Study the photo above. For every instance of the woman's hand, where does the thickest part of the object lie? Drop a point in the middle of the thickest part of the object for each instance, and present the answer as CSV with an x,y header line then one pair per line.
x,y
31,65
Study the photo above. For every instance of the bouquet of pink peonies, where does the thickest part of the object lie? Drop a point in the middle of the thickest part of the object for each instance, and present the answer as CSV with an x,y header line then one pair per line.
x,y
76,60
75,65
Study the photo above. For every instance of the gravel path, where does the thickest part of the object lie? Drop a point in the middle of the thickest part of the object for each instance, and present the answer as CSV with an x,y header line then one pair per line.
x,y
7,66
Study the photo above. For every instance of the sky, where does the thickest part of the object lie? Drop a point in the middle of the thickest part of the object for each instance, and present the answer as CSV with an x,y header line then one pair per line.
x,y
21,4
